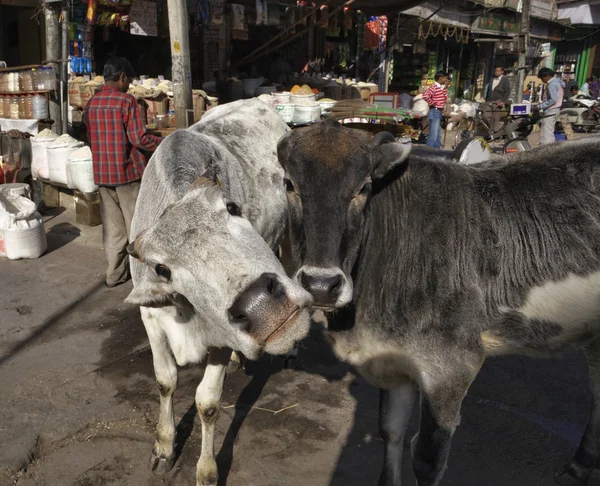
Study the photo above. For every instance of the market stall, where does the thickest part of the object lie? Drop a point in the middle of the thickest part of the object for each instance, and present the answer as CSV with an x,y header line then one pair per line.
x,y
24,94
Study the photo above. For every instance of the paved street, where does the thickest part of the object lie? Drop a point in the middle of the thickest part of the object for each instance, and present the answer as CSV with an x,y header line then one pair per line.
x,y
78,402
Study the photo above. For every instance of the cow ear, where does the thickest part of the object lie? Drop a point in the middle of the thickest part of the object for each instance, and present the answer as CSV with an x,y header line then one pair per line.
x,y
284,148
210,178
388,157
150,294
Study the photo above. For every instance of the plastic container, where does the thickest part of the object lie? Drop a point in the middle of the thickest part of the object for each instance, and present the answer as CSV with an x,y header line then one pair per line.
x,y
57,161
40,106
27,77
6,106
14,107
285,111
307,113
29,107
39,157
325,105
303,99
22,232
282,98
22,110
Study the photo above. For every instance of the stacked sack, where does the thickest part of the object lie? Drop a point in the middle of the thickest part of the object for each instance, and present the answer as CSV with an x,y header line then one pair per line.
x,y
80,171
39,154
58,154
22,232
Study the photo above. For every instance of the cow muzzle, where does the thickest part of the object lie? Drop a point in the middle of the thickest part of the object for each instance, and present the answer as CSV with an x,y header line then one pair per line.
x,y
329,287
267,309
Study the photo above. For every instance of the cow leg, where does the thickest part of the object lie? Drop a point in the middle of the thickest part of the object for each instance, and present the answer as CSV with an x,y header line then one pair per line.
x,y
395,408
165,370
235,363
208,396
579,470
441,398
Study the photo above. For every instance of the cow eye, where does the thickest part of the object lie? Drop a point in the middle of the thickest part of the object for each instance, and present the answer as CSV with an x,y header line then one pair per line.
x,y
163,271
289,187
234,209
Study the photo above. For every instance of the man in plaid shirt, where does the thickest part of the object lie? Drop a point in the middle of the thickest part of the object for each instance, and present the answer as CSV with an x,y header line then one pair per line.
x,y
118,140
436,97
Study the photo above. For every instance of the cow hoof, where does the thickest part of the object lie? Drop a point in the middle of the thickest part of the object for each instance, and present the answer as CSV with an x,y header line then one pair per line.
x,y
161,465
208,479
235,363
569,477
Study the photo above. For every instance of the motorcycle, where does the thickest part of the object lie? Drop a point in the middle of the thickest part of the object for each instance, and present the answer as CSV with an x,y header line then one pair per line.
x,y
582,112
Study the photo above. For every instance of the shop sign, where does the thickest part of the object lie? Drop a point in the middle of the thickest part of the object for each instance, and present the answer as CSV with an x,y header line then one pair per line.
x,y
143,18
498,23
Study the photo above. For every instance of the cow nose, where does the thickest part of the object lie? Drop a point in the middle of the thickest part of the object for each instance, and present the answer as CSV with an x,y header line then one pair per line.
x,y
325,289
254,306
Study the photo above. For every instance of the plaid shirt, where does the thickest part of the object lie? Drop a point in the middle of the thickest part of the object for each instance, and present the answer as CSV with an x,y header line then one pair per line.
x,y
117,137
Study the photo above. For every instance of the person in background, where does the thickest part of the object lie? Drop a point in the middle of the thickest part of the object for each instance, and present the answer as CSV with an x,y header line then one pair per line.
x,y
498,94
585,88
550,107
574,92
594,89
118,141
436,97
571,83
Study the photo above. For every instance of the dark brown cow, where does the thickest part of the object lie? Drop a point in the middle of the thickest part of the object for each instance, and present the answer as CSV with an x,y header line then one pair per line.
x,y
430,267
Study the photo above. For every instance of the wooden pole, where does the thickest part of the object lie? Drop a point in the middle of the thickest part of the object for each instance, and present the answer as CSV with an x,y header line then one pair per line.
x,y
64,72
181,66
52,34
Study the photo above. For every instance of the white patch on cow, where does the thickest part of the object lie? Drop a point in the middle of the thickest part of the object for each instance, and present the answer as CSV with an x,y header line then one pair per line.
x,y
572,302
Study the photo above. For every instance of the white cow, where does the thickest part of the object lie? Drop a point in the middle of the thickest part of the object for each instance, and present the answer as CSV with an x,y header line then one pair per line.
x,y
211,209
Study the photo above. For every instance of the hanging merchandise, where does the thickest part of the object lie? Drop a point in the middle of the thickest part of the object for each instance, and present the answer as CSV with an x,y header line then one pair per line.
x,y
217,10
372,33
239,29
433,29
334,26
347,24
313,15
261,12
204,12
324,17
383,22
91,12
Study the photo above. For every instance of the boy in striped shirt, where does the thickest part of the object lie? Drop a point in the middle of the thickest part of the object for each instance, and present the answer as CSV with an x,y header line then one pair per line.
x,y
436,97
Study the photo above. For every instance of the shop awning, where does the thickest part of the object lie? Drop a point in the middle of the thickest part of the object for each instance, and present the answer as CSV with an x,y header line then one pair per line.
x,y
579,13
447,14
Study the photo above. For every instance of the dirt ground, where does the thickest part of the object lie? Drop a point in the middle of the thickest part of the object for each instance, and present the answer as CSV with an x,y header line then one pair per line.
x,y
78,403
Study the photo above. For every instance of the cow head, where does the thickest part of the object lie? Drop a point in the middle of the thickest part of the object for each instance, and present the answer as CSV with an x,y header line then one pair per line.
x,y
203,256
330,175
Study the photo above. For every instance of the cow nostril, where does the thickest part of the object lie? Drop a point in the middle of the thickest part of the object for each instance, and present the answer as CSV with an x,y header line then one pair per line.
x,y
305,280
336,286
239,319
323,288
